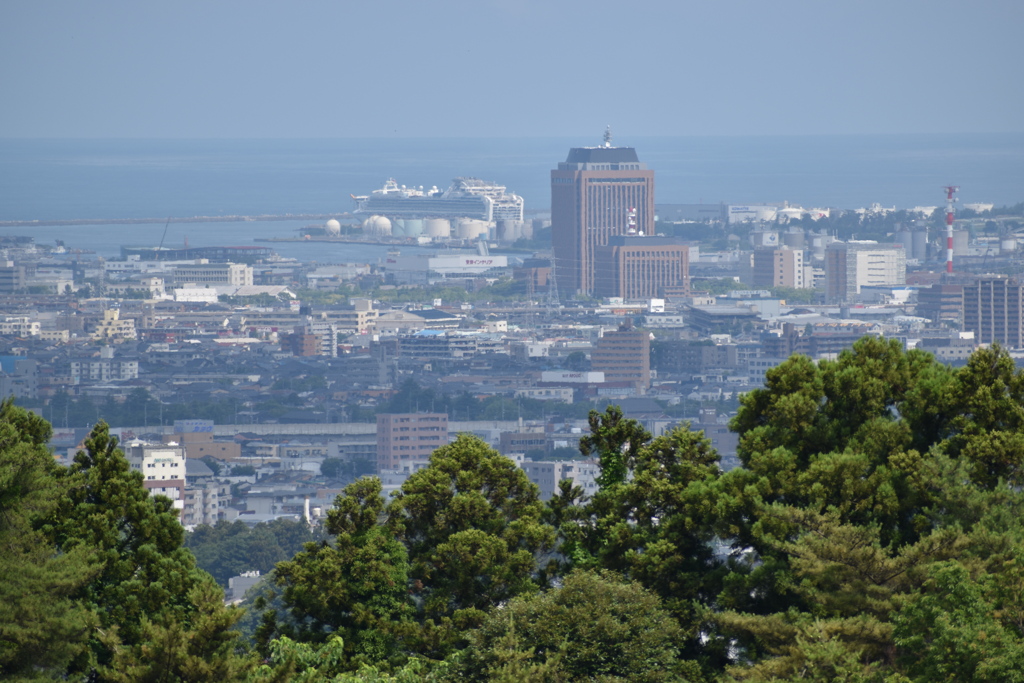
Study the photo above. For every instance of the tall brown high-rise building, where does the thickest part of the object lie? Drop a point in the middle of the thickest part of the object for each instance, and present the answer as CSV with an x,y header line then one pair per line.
x,y
592,195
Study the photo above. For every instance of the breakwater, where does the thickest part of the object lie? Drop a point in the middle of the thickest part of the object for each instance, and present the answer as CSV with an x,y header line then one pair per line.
x,y
173,219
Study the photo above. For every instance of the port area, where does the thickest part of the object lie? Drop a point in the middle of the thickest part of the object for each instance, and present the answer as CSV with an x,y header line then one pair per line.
x,y
355,240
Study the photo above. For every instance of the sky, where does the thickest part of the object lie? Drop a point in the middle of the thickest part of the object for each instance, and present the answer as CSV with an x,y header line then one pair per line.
x,y
514,68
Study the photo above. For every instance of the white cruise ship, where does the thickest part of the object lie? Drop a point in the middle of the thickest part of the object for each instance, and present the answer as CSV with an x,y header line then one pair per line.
x,y
466,198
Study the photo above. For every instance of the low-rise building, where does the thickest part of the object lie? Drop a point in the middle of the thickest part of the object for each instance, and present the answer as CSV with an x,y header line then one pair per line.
x,y
21,326
205,273
162,467
112,327
548,474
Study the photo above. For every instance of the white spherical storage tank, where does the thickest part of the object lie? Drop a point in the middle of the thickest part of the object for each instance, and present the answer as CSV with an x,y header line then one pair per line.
x,y
332,227
377,226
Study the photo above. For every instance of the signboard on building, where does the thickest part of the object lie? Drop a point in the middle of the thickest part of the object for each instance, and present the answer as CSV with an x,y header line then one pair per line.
x,y
564,376
739,214
192,426
466,263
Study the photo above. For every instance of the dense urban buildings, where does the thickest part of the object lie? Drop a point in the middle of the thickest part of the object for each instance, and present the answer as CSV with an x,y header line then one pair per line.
x,y
594,192
162,467
306,375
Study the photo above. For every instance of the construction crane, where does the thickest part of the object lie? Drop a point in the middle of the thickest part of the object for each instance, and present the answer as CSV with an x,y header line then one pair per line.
x,y
162,238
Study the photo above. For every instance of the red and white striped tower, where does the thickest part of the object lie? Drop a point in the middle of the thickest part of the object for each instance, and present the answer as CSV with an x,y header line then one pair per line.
x,y
950,191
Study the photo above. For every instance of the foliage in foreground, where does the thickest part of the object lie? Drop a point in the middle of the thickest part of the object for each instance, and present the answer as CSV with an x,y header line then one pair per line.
x,y
98,585
873,533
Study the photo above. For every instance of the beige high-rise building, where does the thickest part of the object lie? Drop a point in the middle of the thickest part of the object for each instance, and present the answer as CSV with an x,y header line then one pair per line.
x,y
782,267
852,265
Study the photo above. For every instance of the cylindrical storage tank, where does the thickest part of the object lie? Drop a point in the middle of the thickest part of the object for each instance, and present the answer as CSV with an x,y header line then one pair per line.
x,y
437,227
377,226
509,231
1007,245
398,227
528,230
818,247
906,238
413,227
471,229
960,240
794,239
920,250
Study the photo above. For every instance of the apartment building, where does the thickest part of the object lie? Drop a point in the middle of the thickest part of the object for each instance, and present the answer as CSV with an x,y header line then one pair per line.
x,y
781,267
852,265
405,437
994,310
624,356
204,273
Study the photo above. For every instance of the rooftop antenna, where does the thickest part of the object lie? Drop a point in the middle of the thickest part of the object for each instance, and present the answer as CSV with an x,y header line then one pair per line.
x,y
608,136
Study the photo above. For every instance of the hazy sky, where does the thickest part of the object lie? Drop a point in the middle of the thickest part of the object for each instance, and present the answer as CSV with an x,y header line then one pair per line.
x,y
317,68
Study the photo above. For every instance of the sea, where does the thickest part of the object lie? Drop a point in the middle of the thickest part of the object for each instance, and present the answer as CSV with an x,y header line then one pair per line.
x,y
52,180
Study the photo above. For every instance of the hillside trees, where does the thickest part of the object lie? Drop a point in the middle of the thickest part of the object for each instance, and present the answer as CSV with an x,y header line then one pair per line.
x,y
227,549
148,592
96,584
42,628
595,626
651,520
460,537
355,587
862,478
472,524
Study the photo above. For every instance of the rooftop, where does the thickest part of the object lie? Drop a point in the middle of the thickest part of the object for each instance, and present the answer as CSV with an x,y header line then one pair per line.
x,y
601,155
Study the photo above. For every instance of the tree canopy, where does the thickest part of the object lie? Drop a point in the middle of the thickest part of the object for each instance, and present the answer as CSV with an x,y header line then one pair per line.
x,y
871,533
97,583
